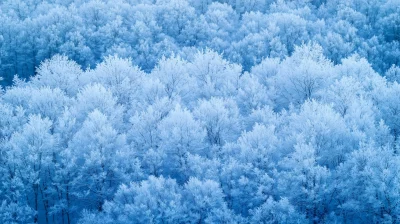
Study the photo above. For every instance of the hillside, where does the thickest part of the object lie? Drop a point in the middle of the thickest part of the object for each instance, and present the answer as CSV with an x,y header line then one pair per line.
x,y
200,111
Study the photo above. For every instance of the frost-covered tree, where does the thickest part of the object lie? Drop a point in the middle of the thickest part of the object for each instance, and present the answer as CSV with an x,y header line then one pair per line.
x,y
97,148
204,201
306,183
32,156
180,135
369,190
221,120
302,76
214,75
155,200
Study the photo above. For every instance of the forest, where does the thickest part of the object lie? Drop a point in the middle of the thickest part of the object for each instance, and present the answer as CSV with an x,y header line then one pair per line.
x,y
199,111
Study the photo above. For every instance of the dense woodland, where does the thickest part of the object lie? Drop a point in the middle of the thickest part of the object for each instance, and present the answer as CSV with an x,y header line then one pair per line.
x,y
199,111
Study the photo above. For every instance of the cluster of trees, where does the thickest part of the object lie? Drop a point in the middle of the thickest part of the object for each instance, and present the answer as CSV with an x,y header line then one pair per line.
x,y
246,31
198,140
200,111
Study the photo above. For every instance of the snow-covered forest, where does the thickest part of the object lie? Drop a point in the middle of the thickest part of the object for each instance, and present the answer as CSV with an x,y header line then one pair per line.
x,y
199,111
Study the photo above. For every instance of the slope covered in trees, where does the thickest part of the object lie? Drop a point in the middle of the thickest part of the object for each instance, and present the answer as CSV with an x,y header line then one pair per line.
x,y
246,31
186,111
